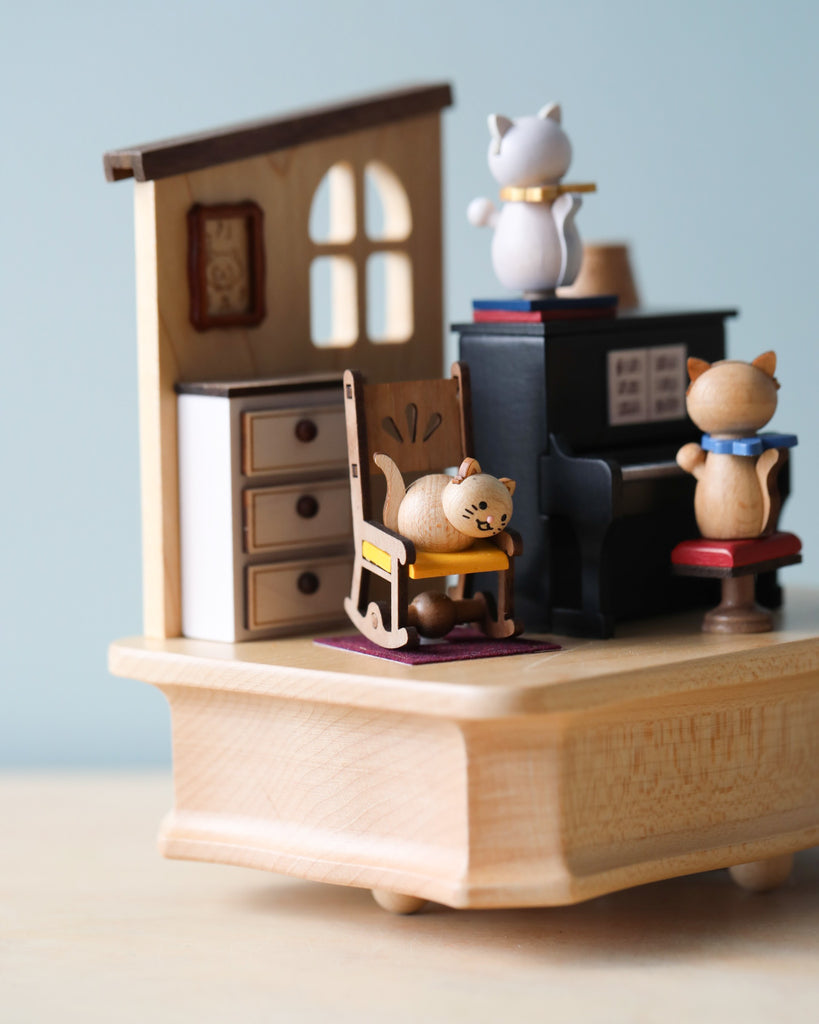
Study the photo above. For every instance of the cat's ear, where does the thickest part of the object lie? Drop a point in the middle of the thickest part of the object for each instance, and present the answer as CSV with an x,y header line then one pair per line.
x,y
766,362
697,367
508,484
498,127
469,467
552,111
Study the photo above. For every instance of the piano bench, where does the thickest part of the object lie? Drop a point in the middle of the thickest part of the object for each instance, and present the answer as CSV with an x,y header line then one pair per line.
x,y
736,563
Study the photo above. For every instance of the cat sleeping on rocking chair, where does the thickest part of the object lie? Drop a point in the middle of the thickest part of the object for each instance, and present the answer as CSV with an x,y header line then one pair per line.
x,y
443,513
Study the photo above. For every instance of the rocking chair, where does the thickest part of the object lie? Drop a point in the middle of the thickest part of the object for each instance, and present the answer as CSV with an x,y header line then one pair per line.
x,y
425,427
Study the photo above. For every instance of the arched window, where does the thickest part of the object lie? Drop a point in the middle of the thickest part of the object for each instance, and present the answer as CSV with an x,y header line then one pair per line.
x,y
360,222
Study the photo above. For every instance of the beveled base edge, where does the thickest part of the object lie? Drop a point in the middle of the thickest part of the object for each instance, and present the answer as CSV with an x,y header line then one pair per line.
x,y
542,885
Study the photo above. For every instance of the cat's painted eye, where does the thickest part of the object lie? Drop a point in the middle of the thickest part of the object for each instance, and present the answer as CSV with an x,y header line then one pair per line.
x,y
482,505
503,518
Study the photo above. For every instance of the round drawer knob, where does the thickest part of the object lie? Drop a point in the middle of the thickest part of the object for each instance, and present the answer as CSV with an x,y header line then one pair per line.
x,y
306,430
308,583
307,506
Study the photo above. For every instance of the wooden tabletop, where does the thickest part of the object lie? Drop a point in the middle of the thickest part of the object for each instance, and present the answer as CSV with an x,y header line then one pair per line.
x,y
645,659
96,926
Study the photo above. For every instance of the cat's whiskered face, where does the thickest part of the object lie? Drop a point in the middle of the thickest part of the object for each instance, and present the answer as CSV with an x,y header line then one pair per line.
x,y
480,505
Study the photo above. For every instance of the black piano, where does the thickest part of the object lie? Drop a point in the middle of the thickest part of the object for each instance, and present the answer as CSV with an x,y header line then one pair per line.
x,y
587,416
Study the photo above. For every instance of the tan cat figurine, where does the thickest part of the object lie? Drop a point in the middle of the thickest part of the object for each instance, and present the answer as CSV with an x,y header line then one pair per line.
x,y
734,467
444,513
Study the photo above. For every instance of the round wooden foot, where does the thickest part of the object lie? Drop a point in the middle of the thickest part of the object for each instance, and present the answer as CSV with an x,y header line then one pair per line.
x,y
762,875
396,902
738,612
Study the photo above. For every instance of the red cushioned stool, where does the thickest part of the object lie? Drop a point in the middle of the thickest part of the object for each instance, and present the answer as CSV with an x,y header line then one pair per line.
x,y
736,563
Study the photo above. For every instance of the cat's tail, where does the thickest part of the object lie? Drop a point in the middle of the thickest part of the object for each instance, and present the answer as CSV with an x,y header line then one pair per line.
x,y
767,469
482,213
564,210
395,489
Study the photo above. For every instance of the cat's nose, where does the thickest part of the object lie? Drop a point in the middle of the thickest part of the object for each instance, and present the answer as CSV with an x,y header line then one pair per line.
x,y
490,519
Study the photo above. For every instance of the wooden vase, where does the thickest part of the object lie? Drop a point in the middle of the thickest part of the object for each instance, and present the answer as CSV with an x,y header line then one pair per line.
x,y
605,270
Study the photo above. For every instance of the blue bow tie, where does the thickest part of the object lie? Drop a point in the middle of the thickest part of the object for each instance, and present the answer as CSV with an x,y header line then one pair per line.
x,y
754,445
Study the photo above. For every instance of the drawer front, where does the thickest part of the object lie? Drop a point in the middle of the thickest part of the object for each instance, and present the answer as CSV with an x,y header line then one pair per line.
x,y
281,440
297,593
278,518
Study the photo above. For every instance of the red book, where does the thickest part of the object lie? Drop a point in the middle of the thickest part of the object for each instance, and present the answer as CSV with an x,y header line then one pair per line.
x,y
537,316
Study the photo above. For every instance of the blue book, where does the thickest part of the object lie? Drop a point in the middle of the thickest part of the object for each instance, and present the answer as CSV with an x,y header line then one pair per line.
x,y
554,302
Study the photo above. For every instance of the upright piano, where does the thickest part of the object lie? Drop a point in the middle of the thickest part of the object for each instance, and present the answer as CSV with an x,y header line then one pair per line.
x,y
587,417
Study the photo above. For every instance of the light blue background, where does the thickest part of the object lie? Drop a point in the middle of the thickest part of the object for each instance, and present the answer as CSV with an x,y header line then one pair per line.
x,y
697,120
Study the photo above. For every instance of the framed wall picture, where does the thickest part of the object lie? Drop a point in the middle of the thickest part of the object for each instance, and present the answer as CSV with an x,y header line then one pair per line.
x,y
226,265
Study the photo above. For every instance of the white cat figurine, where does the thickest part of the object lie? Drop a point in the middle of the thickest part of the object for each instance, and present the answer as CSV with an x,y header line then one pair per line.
x,y
536,246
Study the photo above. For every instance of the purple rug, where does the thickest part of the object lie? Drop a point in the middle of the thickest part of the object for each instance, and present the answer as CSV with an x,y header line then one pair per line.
x,y
459,645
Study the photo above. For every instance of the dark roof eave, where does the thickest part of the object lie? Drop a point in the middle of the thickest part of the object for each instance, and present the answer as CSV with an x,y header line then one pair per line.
x,y
187,153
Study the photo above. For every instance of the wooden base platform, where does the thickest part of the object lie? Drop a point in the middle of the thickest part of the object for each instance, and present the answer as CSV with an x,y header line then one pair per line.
x,y
538,780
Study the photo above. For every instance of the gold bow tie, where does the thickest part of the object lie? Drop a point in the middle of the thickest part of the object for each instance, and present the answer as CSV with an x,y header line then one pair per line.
x,y
542,193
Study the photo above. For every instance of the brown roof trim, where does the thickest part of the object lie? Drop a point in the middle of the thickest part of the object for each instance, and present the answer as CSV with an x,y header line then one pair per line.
x,y
186,153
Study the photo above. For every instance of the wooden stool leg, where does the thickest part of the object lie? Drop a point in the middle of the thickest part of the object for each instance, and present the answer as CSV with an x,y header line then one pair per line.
x,y
738,612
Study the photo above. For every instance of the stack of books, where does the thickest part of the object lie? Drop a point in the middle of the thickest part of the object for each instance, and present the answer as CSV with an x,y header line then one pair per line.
x,y
538,311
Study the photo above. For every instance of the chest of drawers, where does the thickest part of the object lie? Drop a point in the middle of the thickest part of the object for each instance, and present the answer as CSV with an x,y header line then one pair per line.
x,y
265,529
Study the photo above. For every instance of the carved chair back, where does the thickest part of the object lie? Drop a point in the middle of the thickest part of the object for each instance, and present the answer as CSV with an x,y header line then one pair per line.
x,y
424,426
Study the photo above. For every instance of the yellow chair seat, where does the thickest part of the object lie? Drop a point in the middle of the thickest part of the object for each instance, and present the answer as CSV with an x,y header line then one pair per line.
x,y
483,556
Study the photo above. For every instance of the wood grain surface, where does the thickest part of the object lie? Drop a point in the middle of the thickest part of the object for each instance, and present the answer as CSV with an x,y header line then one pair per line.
x,y
540,780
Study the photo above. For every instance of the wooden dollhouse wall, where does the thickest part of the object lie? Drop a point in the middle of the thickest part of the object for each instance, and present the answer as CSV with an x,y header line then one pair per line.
x,y
284,184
